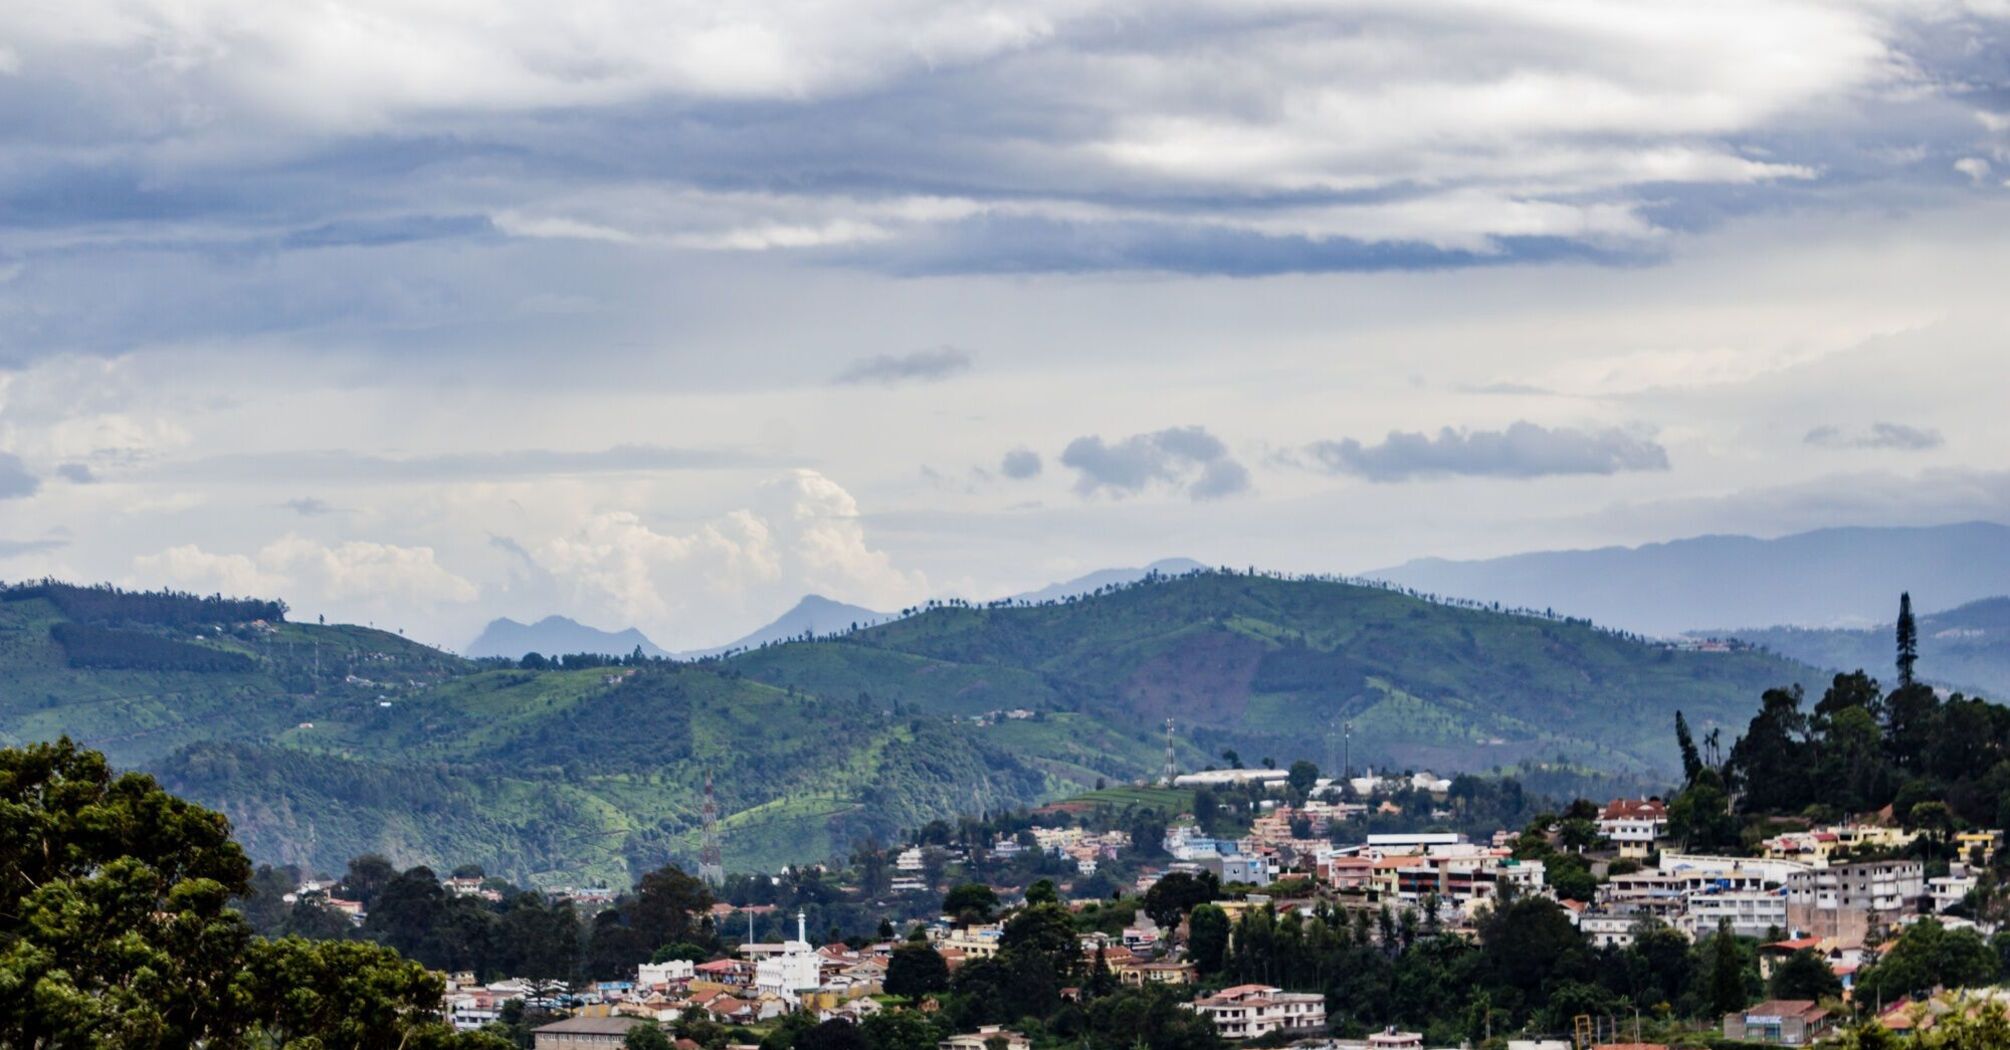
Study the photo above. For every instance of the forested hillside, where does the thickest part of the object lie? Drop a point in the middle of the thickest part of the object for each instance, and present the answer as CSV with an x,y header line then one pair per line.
x,y
322,742
1269,667
325,742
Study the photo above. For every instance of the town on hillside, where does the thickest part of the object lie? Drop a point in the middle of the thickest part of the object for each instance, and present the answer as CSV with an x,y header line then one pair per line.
x,y
1836,872
1208,913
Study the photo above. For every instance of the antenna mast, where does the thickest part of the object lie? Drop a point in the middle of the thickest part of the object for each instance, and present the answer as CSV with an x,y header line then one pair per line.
x,y
710,866
1172,765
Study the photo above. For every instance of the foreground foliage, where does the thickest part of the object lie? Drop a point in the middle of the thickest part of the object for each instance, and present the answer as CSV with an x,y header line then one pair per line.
x,y
116,929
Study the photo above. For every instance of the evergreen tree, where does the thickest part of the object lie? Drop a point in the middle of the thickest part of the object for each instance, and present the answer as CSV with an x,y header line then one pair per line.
x,y
1908,640
1692,761
1727,970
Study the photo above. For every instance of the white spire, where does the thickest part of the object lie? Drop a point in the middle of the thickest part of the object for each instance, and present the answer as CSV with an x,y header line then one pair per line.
x,y
802,926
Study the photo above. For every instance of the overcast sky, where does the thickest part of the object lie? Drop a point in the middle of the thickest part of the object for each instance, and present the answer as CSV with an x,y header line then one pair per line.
x,y
664,313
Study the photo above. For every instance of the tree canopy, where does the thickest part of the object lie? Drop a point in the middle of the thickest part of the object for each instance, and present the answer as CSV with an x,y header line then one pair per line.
x,y
116,929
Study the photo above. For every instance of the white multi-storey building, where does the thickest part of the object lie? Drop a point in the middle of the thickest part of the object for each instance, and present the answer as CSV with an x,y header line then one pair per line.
x,y
1752,913
795,969
1250,1011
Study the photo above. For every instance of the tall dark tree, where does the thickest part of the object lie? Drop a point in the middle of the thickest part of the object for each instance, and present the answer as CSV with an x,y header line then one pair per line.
x,y
1045,930
1804,975
1727,971
833,1034
1177,893
1208,937
367,877
1692,760
1302,777
667,905
1770,762
1908,639
916,969
970,902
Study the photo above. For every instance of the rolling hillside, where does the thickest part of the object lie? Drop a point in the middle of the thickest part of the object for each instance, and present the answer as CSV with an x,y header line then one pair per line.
x,y
1965,648
322,742
1269,667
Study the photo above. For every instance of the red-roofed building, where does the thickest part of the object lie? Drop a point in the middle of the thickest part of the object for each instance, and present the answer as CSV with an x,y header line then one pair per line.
x,y
1634,824
1783,1022
1250,1011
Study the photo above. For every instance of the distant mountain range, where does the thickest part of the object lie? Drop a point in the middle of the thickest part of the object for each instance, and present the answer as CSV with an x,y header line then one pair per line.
x,y
1966,648
555,635
814,614
1108,578
1842,577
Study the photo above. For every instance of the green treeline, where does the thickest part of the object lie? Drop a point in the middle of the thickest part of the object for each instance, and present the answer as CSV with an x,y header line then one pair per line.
x,y
113,649
106,604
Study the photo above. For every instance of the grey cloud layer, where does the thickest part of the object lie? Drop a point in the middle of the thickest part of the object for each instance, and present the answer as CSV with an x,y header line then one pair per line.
x,y
924,138
921,366
340,467
15,480
1186,457
13,548
1523,450
1020,463
1878,435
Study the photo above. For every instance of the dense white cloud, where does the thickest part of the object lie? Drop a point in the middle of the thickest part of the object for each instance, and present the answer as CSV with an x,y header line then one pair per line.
x,y
694,584
353,573
189,567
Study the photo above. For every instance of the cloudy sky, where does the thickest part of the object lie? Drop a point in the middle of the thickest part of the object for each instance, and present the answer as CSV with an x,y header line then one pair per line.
x,y
664,313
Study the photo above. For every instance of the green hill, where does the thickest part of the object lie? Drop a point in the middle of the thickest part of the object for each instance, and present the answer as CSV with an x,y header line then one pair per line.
x,y
1271,667
322,742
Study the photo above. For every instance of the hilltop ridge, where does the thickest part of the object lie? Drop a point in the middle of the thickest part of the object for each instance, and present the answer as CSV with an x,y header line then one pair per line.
x,y
323,742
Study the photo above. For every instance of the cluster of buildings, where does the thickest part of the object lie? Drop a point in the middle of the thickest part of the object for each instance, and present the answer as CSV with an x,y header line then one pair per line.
x,y
1827,890
322,892
1406,871
1363,786
1089,850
